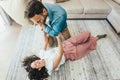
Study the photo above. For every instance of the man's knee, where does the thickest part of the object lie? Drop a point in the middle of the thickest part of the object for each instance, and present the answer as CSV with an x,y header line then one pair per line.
x,y
66,34
50,41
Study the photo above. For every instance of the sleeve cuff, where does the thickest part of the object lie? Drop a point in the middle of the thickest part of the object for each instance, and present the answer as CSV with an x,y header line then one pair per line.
x,y
50,31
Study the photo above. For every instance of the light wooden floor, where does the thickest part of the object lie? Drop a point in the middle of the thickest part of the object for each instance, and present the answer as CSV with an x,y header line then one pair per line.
x,y
101,64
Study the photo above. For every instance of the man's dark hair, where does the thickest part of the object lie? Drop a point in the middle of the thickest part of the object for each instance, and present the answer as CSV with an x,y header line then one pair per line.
x,y
33,7
34,74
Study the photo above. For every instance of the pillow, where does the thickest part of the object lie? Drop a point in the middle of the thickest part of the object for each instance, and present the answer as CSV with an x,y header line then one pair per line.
x,y
117,1
15,9
58,1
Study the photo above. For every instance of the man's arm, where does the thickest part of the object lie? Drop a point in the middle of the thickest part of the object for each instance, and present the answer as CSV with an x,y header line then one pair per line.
x,y
60,52
56,26
45,40
45,36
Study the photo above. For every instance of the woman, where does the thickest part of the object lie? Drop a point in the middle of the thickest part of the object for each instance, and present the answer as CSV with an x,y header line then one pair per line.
x,y
73,49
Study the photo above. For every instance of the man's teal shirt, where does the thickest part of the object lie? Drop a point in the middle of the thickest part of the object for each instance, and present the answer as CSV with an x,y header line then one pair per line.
x,y
58,17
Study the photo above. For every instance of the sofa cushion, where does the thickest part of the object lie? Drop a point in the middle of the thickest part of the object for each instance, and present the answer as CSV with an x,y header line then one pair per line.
x,y
15,9
95,6
117,1
72,6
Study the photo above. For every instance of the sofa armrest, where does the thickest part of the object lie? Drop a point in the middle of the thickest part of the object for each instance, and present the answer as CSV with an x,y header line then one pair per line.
x,y
114,16
6,18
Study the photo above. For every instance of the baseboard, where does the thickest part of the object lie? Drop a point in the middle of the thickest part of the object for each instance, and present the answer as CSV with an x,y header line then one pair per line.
x,y
86,18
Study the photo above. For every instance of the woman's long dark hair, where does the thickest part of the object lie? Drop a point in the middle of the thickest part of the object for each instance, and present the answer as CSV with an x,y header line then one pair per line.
x,y
34,74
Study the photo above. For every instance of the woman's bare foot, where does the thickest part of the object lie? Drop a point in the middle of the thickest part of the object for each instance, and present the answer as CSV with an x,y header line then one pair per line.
x,y
100,36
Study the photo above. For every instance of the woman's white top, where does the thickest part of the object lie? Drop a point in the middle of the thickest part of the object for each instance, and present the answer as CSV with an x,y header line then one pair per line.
x,y
49,56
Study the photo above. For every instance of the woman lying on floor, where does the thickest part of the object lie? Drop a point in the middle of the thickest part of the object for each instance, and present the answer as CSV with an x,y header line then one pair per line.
x,y
50,60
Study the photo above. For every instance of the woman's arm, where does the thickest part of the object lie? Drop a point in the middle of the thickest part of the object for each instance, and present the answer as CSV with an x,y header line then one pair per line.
x,y
60,52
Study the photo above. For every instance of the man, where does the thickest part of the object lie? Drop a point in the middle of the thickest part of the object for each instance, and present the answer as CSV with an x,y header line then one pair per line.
x,y
40,13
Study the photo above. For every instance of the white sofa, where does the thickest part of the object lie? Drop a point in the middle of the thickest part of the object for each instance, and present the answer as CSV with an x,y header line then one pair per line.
x,y
114,16
76,9
5,17
15,9
86,8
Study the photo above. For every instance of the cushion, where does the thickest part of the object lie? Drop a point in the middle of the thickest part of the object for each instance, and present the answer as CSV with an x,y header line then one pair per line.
x,y
72,6
117,1
95,7
57,1
15,9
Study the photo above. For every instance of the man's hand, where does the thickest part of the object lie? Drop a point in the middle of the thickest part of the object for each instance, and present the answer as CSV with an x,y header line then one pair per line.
x,y
42,26
59,36
45,40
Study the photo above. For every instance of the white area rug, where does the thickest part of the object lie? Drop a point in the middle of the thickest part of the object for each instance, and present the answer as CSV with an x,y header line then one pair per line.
x,y
101,64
